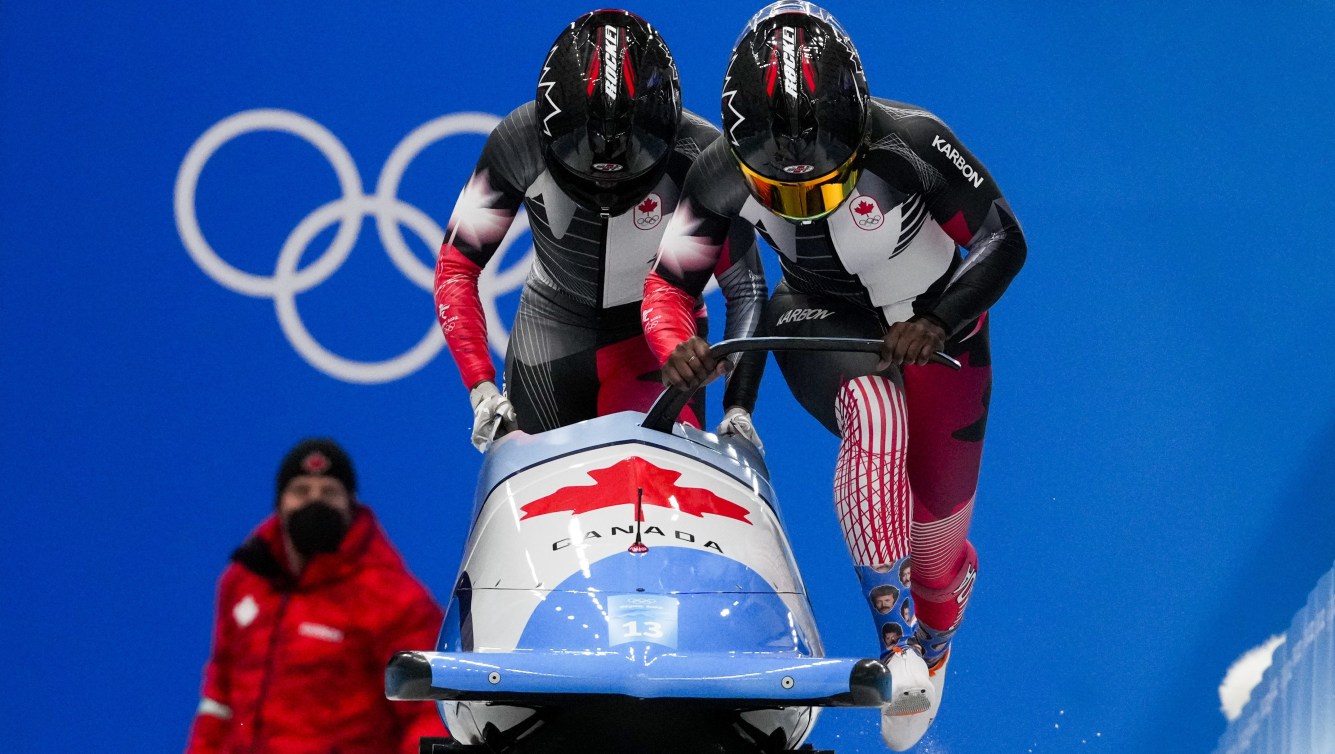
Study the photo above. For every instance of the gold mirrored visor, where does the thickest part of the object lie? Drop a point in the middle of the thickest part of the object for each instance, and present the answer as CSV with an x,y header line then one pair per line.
x,y
805,200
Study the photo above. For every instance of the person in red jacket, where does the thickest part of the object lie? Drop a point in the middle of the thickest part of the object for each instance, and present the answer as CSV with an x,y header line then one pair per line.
x,y
310,610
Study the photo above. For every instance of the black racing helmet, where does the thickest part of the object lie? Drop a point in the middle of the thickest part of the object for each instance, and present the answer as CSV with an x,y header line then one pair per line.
x,y
796,110
608,105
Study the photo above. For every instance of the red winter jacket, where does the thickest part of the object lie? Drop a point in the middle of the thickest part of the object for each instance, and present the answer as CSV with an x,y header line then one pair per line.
x,y
298,665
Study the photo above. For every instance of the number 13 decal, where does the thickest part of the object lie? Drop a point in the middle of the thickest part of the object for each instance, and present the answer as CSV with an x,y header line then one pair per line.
x,y
642,617
648,629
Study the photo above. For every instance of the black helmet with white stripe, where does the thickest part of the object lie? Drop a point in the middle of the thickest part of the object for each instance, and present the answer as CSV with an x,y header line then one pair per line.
x,y
796,110
608,105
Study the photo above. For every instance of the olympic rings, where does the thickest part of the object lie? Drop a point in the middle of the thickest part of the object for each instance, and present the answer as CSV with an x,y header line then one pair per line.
x,y
389,211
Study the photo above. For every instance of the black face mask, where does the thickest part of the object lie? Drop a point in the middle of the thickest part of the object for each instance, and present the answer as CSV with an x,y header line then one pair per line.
x,y
316,528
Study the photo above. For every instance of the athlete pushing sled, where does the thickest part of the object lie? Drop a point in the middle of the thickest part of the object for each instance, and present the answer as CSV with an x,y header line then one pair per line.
x,y
869,203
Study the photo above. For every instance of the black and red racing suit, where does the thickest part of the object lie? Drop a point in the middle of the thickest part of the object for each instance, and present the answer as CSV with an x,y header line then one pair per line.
x,y
577,349
890,252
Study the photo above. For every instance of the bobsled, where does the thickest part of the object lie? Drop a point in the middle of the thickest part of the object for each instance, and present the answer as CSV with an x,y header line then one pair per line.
x,y
627,585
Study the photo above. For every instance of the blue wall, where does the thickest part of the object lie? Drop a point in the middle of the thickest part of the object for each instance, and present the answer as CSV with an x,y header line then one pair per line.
x,y
1156,492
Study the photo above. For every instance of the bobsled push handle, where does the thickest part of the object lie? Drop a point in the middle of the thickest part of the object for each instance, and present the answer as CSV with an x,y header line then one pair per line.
x,y
665,410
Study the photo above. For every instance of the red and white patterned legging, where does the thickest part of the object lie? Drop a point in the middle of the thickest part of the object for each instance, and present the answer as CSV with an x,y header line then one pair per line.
x,y
911,452
910,448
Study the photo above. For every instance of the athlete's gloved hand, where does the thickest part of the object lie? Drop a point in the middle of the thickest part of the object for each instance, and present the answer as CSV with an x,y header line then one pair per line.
x,y
690,365
738,422
493,414
912,342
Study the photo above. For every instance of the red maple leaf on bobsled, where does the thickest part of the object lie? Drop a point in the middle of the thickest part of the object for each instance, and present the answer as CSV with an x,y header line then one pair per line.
x,y
648,205
864,207
620,484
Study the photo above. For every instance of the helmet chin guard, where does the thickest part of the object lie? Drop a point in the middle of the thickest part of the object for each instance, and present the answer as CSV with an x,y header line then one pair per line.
x,y
796,110
608,105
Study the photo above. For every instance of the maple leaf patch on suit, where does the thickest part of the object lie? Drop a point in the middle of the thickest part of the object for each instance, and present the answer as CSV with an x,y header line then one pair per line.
x,y
866,213
649,213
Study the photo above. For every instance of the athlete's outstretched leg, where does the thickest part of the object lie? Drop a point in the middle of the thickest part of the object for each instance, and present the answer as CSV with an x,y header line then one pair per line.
x,y
870,491
873,500
867,412
947,418
871,494
871,487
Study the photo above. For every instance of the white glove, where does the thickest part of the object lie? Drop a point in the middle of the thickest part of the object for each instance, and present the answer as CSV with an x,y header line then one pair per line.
x,y
738,422
493,414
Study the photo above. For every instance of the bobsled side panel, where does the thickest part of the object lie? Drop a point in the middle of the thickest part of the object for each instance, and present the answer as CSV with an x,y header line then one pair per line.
x,y
494,622
456,631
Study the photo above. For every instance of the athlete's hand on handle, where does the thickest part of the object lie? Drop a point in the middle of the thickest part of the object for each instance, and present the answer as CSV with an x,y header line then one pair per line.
x,y
493,414
911,342
738,422
690,365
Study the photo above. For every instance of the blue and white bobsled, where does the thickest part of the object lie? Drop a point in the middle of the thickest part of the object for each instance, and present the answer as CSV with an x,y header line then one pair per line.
x,y
628,586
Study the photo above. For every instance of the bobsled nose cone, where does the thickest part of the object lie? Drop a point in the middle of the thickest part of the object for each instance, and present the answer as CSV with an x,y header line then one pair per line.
x,y
900,684
408,677
869,682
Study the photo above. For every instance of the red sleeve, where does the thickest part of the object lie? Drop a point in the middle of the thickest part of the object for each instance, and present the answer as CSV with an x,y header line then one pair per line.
x,y
668,315
483,214
213,718
692,246
459,311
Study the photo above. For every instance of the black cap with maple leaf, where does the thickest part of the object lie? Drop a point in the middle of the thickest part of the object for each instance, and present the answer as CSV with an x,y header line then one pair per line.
x,y
316,456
